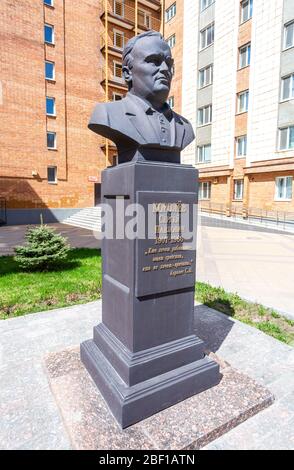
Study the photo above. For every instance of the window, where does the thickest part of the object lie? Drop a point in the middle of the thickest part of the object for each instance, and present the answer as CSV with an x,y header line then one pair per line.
x,y
118,7
49,34
204,153
144,18
51,140
117,71
287,88
116,96
246,10
243,100
171,102
205,115
284,188
170,12
171,41
118,39
50,106
52,174
206,76
49,70
204,190
238,189
244,56
205,3
49,2
207,36
241,146
289,35
286,138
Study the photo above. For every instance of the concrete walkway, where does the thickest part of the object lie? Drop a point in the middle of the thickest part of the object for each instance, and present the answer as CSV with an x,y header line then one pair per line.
x,y
255,263
30,419
14,235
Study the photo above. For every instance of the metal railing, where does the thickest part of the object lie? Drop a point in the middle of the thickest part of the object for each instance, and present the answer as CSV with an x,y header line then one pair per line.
x,y
3,211
113,77
270,218
213,208
115,41
122,11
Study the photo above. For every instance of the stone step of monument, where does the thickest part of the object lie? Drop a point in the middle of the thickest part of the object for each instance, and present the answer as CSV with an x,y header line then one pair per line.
x,y
88,218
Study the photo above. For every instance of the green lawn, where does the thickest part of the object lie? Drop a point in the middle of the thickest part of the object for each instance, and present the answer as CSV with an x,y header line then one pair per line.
x,y
265,319
79,281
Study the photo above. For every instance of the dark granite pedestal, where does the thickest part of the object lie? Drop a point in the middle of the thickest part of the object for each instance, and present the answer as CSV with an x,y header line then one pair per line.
x,y
144,355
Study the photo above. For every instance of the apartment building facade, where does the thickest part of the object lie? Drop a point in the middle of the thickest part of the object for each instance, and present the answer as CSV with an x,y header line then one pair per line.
x,y
58,58
173,33
238,91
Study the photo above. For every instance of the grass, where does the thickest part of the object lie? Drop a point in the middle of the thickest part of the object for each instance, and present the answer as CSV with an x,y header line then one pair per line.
x,y
79,281
265,319
76,281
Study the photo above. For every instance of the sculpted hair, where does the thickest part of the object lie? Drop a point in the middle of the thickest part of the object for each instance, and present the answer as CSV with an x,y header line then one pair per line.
x,y
127,52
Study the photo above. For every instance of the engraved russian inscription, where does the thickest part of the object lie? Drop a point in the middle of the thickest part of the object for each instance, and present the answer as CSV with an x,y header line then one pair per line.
x,y
166,261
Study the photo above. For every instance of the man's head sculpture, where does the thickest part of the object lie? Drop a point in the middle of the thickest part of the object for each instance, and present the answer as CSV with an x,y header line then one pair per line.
x,y
148,67
143,121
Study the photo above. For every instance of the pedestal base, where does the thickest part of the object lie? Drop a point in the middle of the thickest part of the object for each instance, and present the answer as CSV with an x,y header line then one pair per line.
x,y
130,404
144,356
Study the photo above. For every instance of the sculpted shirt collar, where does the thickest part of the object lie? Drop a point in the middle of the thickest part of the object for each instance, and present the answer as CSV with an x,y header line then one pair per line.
x,y
167,111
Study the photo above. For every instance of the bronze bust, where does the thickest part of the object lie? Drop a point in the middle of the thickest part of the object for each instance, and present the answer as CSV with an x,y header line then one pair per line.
x,y
143,120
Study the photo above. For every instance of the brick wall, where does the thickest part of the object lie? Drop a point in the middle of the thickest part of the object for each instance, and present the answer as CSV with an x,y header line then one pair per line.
x,y
23,143
175,26
262,192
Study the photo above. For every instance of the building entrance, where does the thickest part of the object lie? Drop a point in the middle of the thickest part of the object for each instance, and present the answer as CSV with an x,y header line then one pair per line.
x,y
97,196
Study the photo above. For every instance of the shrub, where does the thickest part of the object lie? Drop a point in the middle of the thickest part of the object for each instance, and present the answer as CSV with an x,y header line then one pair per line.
x,y
43,249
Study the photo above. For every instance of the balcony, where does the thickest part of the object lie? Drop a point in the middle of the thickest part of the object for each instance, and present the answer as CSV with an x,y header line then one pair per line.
x,y
154,4
114,80
115,45
120,14
105,142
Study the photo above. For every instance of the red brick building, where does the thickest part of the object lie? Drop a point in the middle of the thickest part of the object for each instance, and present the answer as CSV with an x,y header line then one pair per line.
x,y
52,71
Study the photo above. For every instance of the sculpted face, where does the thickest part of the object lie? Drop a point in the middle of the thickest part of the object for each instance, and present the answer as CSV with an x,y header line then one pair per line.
x,y
151,71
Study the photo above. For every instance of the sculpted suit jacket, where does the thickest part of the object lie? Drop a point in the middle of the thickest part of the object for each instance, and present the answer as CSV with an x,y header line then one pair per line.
x,y
131,123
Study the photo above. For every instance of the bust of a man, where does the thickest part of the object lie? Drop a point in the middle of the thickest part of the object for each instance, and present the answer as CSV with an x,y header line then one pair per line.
x,y
143,120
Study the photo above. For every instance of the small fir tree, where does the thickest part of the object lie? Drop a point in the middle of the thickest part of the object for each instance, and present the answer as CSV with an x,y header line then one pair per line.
x,y
43,249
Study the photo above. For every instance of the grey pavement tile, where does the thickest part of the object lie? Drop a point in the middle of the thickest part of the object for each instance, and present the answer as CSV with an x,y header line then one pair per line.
x,y
281,387
288,401
281,438
49,441
47,433
255,431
